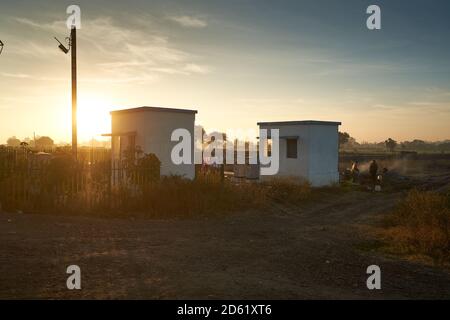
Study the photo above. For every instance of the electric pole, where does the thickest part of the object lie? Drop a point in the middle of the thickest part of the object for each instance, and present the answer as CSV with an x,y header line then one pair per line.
x,y
73,53
73,45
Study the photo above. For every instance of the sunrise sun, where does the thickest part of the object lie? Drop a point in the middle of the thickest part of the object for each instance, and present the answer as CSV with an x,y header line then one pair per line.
x,y
93,117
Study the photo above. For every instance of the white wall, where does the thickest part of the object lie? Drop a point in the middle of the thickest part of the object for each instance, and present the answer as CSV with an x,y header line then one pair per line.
x,y
154,129
317,152
292,167
323,154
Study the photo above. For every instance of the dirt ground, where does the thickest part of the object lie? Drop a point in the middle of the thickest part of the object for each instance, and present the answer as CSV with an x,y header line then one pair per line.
x,y
280,253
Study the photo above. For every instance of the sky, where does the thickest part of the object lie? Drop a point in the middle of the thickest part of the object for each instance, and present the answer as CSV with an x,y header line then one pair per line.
x,y
236,62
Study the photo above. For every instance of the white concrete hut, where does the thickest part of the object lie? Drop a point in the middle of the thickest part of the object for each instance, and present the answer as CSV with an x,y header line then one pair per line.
x,y
308,149
151,128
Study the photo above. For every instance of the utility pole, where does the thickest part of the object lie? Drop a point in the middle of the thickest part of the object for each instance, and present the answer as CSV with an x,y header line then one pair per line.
x,y
73,45
73,53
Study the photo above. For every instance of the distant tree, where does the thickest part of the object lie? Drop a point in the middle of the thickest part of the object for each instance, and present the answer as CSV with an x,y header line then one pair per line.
x,y
211,137
352,142
444,146
24,144
344,137
420,145
29,141
44,142
13,142
390,144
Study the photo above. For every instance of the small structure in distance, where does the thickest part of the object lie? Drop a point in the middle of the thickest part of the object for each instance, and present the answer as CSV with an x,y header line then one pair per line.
x,y
308,149
150,129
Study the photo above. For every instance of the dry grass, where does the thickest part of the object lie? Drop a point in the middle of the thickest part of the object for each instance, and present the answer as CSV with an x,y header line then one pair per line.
x,y
206,195
420,226
209,195
291,190
62,186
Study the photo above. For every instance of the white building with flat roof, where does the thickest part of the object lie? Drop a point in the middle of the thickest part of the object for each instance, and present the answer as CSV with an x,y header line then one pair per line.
x,y
150,129
308,149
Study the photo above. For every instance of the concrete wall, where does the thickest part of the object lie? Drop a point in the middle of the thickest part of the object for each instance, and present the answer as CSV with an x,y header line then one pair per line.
x,y
292,167
323,155
317,152
154,129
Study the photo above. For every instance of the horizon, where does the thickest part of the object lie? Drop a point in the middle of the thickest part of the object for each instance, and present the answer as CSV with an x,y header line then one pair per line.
x,y
236,63
106,140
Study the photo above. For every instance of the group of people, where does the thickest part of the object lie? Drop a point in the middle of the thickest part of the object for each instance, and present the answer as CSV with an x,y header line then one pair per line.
x,y
373,172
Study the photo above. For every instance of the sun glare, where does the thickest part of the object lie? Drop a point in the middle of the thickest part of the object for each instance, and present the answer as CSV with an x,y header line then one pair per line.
x,y
93,117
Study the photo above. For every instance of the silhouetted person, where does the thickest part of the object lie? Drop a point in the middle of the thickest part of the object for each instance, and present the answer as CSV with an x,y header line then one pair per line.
x,y
373,170
355,172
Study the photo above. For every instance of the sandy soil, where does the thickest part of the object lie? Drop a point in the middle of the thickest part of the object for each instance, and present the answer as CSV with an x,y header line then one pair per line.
x,y
281,253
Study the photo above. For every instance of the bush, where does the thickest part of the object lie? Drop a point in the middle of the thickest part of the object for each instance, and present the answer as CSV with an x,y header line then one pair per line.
x,y
145,169
421,225
58,171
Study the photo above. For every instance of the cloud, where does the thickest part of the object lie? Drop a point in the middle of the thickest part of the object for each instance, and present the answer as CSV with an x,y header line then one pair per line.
x,y
118,54
283,101
423,103
195,68
408,109
16,75
345,68
385,107
189,22
34,24
29,76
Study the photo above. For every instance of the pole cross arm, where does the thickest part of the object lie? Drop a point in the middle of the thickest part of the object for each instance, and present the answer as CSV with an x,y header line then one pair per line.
x,y
62,47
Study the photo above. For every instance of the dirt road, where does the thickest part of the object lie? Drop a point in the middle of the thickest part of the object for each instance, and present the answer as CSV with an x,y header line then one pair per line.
x,y
281,253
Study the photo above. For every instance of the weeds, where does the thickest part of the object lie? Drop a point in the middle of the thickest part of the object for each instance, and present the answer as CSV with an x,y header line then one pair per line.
x,y
62,186
209,194
287,189
420,225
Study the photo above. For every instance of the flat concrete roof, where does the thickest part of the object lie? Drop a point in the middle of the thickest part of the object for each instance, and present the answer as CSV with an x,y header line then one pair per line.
x,y
153,109
303,122
120,134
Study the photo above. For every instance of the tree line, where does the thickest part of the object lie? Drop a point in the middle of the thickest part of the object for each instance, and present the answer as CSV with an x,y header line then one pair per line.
x,y
40,142
348,142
